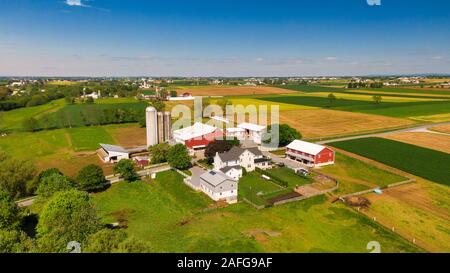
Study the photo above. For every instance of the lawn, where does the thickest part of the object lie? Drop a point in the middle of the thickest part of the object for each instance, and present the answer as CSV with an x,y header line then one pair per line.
x,y
289,176
355,175
254,188
423,162
171,217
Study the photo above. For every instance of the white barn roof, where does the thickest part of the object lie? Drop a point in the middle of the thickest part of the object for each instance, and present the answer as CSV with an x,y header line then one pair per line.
x,y
251,127
194,131
306,147
113,148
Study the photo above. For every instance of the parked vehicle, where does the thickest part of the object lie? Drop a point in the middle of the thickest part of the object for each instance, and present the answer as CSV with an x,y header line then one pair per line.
x,y
302,172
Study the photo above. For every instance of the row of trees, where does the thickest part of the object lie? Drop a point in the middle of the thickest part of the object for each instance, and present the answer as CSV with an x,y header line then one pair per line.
x,y
364,84
177,156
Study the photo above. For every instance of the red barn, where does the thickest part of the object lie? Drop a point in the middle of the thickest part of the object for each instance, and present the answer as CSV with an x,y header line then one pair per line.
x,y
310,154
197,136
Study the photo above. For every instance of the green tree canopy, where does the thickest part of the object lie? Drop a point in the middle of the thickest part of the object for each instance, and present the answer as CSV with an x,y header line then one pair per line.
x,y
286,134
178,157
52,184
125,168
159,152
67,216
91,178
15,174
133,245
33,184
218,146
10,216
105,241
13,241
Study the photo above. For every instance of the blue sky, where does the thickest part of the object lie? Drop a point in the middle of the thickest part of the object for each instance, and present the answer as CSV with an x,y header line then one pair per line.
x,y
223,38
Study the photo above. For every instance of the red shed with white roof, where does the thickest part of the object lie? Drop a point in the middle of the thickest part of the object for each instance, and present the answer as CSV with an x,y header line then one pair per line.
x,y
310,154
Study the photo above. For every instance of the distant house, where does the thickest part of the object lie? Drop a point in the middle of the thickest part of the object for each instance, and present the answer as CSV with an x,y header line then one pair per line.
x,y
252,131
186,94
219,186
310,154
112,153
234,160
197,136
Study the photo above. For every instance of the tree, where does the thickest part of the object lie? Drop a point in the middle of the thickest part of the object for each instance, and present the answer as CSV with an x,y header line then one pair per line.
x,y
15,175
89,100
10,216
286,134
105,241
159,152
223,103
67,216
173,93
52,184
331,99
377,99
14,241
133,245
91,178
218,146
32,185
178,157
159,105
30,124
125,168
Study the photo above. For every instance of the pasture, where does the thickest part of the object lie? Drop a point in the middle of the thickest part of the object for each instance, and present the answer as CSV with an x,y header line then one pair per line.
x,y
229,90
442,129
172,218
69,149
418,210
419,161
324,123
433,141
13,120
355,175
310,88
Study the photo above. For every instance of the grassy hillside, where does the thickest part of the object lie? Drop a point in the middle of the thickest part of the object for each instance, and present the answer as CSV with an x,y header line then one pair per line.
x,y
172,218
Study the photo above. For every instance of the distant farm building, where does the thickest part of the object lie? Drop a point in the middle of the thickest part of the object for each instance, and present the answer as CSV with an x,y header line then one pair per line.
x,y
112,153
252,131
197,136
239,158
310,154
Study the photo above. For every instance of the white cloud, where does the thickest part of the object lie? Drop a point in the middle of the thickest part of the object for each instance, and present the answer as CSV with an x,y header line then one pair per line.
x,y
259,59
437,57
331,59
76,3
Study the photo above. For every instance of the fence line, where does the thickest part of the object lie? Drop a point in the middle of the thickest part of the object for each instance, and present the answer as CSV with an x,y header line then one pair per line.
x,y
372,190
306,197
253,204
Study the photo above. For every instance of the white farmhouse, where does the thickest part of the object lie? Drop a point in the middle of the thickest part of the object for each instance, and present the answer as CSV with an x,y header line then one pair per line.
x,y
219,186
234,160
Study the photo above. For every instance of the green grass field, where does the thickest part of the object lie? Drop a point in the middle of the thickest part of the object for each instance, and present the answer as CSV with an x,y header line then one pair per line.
x,y
426,163
309,88
77,115
355,175
88,138
12,120
290,177
254,188
172,218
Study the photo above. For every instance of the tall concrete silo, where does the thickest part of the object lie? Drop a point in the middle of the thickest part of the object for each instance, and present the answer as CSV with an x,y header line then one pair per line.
x,y
167,126
160,127
151,117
